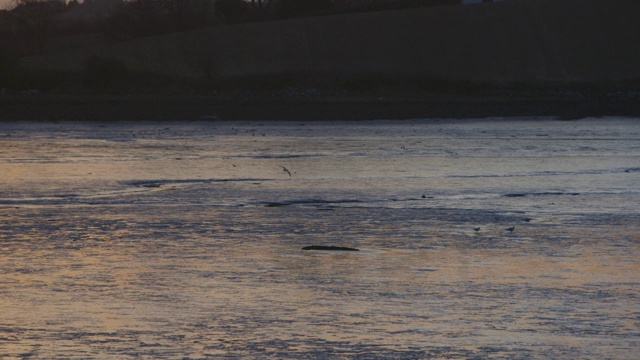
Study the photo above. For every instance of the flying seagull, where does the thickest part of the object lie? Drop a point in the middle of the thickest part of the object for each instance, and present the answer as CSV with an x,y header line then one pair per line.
x,y
286,170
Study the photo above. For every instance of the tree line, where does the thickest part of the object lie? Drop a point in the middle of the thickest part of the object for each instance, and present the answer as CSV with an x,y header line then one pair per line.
x,y
32,23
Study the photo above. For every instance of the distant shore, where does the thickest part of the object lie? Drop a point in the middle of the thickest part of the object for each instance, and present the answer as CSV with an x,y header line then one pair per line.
x,y
44,107
529,58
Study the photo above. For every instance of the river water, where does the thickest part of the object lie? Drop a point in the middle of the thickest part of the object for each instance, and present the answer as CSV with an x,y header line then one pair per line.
x,y
184,240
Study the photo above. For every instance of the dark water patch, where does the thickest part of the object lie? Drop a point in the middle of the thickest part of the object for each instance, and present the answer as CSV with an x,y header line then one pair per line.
x,y
546,193
472,216
66,196
548,173
162,182
604,219
492,349
304,348
326,349
288,156
308,202
329,248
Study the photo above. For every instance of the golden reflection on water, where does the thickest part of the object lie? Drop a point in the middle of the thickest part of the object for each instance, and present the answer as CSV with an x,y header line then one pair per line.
x,y
128,288
188,245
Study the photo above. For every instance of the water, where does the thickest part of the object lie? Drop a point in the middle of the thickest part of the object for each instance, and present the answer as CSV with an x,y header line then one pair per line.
x,y
183,240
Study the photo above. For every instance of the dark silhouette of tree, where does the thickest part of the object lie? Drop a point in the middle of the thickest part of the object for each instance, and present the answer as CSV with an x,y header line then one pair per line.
x,y
36,20
296,8
135,18
262,9
232,11
8,62
87,16
145,17
260,4
187,14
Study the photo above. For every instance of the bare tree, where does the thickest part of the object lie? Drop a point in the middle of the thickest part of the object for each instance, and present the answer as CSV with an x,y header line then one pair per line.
x,y
260,4
145,17
296,8
232,11
36,20
187,14
262,9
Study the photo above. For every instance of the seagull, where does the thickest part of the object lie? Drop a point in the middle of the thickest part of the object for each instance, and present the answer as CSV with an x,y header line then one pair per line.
x,y
511,229
286,170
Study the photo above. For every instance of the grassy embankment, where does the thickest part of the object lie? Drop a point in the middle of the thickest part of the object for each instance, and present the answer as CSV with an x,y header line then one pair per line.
x,y
526,57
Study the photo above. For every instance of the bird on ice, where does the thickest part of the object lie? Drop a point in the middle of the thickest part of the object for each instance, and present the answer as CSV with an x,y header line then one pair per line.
x,y
286,170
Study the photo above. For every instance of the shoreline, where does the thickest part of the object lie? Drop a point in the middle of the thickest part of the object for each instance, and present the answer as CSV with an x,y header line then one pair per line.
x,y
47,107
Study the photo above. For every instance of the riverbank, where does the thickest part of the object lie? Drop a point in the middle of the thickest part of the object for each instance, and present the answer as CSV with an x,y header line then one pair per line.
x,y
36,107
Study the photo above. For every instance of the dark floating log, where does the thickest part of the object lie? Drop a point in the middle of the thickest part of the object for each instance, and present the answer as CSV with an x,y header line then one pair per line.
x,y
330,248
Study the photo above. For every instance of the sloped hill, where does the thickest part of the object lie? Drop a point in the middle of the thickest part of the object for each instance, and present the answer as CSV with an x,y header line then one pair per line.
x,y
514,41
